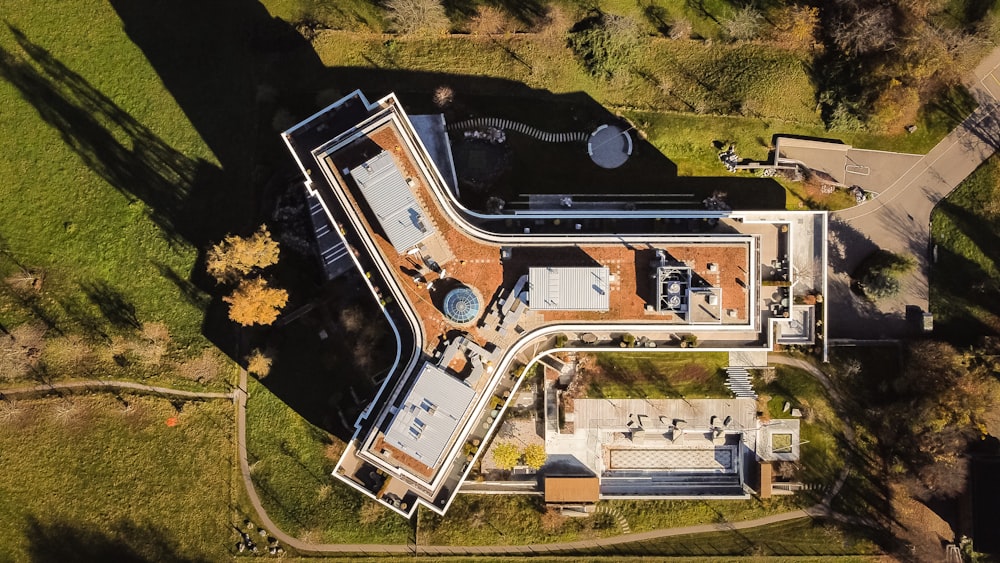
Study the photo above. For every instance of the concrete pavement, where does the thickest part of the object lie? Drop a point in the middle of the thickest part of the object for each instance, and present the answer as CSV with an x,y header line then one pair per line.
x,y
898,219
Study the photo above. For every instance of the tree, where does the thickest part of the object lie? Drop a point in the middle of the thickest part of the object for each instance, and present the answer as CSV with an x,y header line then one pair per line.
x,y
606,43
418,17
506,455
236,256
254,302
863,30
534,456
796,26
878,275
681,28
489,21
743,24
259,363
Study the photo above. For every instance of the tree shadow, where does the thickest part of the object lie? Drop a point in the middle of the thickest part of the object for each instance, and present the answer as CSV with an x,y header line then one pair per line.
x,y
123,541
117,310
239,75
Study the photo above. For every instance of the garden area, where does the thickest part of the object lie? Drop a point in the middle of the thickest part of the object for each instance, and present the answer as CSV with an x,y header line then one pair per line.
x,y
657,375
820,432
117,477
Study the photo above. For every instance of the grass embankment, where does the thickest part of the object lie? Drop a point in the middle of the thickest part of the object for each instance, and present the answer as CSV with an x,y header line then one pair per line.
x,y
519,520
965,292
84,478
798,538
820,455
685,97
658,375
291,462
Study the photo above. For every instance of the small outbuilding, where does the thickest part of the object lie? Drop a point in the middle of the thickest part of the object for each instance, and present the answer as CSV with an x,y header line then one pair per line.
x,y
572,490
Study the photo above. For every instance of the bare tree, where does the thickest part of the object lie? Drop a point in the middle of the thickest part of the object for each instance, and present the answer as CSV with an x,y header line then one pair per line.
x,y
680,29
418,17
865,30
743,24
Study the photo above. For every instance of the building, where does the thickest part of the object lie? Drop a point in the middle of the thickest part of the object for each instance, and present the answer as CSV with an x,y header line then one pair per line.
x,y
439,269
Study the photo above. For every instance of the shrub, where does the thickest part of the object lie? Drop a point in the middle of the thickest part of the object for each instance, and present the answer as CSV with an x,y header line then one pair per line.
x,y
606,43
534,456
628,340
878,276
506,455
561,340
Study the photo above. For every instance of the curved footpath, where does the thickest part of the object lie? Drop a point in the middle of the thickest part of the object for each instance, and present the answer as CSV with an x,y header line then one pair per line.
x,y
816,511
102,385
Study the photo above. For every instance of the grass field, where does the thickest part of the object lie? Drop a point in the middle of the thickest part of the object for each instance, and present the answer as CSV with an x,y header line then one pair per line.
x,y
77,126
805,538
84,479
658,375
965,291
821,457
291,465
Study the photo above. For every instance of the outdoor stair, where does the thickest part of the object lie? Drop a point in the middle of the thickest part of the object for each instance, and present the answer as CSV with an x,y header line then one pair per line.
x,y
524,129
738,381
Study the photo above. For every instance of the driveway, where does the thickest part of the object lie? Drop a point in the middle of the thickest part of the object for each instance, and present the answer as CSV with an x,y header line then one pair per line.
x,y
898,218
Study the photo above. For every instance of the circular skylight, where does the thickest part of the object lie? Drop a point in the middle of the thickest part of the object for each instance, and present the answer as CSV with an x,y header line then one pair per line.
x,y
461,305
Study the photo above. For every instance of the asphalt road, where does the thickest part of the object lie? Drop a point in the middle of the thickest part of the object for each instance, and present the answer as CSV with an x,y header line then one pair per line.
x,y
898,219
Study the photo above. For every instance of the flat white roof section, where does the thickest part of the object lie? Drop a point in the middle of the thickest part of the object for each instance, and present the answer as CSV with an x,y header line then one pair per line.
x,y
429,415
568,289
392,202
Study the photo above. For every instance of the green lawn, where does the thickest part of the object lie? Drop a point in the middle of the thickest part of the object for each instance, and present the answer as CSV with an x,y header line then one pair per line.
x,y
85,480
820,427
804,538
291,465
83,113
659,375
966,232
648,515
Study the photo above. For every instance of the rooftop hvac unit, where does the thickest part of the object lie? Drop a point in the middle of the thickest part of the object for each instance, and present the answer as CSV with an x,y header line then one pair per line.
x,y
713,299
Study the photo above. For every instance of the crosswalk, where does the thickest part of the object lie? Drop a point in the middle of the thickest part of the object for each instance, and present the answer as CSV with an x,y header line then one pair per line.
x,y
524,129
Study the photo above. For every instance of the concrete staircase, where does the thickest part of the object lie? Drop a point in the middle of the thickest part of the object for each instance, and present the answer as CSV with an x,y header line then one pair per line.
x,y
738,381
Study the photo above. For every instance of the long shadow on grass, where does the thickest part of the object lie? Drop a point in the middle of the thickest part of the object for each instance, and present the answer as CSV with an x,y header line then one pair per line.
x,y
122,541
240,76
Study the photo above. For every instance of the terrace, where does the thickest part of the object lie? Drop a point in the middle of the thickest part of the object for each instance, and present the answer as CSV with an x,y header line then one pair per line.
x,y
473,298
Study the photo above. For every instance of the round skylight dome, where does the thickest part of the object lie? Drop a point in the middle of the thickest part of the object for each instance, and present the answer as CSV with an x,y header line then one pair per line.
x,y
461,305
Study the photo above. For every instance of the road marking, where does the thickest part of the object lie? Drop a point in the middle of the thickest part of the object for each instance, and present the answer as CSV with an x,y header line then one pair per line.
x,y
964,133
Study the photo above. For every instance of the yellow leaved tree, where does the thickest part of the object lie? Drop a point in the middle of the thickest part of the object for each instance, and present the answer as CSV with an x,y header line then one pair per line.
x,y
237,256
254,302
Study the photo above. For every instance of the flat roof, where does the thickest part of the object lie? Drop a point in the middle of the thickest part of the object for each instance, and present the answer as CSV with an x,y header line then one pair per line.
x,y
572,489
430,415
568,289
392,202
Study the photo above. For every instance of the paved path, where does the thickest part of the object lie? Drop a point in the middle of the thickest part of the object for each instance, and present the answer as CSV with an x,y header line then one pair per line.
x,y
898,219
104,385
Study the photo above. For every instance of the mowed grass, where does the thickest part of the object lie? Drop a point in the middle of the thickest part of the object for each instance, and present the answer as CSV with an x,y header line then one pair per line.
x,y
291,462
802,539
666,375
646,515
819,428
965,291
77,95
84,479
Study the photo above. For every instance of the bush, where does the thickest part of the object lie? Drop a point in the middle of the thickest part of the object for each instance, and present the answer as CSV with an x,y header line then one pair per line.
x,y
628,341
561,340
606,43
878,276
